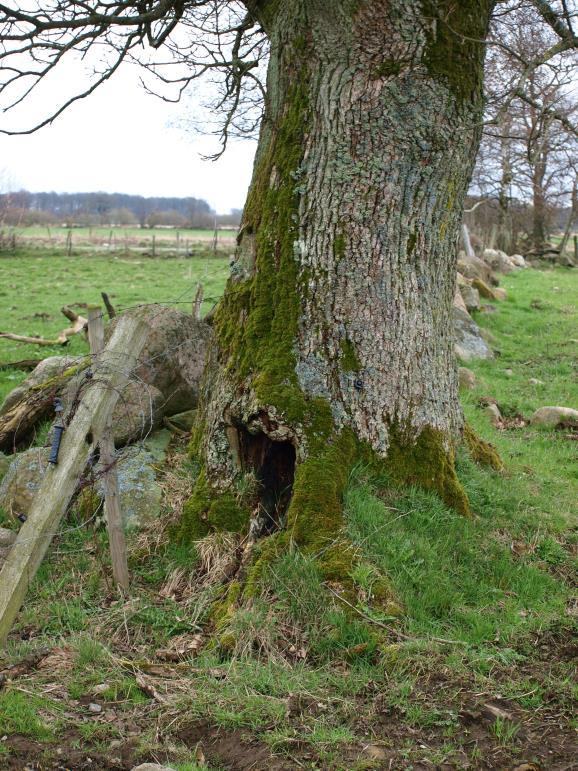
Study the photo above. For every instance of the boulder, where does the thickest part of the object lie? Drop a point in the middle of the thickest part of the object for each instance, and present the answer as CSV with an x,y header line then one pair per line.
x,y
494,414
459,301
498,261
23,478
7,538
5,461
174,355
483,289
152,767
467,379
551,417
468,342
48,368
184,420
472,267
518,260
139,492
470,294
500,293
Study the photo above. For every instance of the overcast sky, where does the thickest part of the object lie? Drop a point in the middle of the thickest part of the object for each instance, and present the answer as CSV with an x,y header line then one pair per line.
x,y
122,140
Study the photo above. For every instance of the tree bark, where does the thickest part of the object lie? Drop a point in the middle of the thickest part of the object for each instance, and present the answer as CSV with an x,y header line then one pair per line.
x,y
333,342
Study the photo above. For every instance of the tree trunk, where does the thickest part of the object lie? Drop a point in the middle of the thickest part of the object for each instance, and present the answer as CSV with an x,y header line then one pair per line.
x,y
333,342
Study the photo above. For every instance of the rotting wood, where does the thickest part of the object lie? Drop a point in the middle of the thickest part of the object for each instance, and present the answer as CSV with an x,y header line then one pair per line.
x,y
18,422
23,364
114,366
113,513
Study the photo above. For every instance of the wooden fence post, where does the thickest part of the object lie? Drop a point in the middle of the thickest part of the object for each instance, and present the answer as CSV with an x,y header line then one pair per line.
x,y
112,510
115,366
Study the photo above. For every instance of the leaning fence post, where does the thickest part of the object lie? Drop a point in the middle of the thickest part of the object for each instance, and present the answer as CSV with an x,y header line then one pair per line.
x,y
112,510
115,365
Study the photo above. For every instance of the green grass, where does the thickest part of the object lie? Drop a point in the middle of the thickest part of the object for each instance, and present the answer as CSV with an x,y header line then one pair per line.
x,y
32,285
498,586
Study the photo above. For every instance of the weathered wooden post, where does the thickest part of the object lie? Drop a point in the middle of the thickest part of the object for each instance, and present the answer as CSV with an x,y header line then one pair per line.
x,y
198,302
112,510
115,365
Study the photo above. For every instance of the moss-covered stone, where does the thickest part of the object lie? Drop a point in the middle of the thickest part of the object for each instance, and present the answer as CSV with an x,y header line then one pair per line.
x,y
483,453
426,462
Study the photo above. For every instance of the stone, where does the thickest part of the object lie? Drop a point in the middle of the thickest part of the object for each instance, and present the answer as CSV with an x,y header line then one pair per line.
x,y
535,381
459,300
173,358
470,296
509,372
493,413
468,342
157,444
96,709
140,494
498,260
23,478
48,368
7,537
518,260
551,417
467,379
472,267
5,461
152,767
184,420
483,289
500,293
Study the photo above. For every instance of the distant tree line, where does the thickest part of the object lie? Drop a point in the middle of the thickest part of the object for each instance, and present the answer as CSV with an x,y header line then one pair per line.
x,y
90,209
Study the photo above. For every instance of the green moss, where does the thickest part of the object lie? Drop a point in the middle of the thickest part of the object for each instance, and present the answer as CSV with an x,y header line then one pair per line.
x,y
349,360
427,463
257,321
455,44
411,242
387,68
209,510
484,290
483,453
339,246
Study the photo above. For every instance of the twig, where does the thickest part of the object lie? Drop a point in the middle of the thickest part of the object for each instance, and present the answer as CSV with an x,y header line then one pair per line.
x,y
390,628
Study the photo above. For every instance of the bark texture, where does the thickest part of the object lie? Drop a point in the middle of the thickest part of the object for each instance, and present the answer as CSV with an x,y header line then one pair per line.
x,y
334,338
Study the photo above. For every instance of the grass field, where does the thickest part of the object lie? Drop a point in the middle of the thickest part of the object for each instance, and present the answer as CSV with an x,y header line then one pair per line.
x,y
479,671
34,288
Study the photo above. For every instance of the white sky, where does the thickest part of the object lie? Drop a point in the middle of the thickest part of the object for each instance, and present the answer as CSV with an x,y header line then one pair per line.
x,y
120,140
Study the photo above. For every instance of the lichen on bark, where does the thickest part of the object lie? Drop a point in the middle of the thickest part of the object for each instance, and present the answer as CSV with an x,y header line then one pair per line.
x,y
334,333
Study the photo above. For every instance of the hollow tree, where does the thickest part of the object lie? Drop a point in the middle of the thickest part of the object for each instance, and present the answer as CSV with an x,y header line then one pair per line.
x,y
333,341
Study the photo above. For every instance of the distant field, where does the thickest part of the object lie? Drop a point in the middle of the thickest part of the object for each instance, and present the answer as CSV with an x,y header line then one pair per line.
x,y
33,288
124,239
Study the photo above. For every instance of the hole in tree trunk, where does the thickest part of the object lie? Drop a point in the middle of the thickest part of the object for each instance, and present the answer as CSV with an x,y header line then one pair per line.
x,y
273,464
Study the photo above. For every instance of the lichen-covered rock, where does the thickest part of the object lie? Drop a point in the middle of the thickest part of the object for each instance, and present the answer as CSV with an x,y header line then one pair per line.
x,y
470,296
484,289
467,379
494,414
498,261
472,267
469,344
551,417
23,478
174,355
500,293
5,461
139,492
7,537
518,260
48,368
138,411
